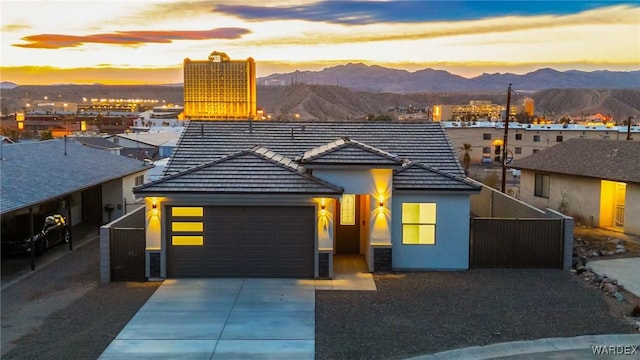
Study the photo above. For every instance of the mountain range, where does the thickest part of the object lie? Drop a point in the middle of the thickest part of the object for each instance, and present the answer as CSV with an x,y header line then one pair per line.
x,y
374,78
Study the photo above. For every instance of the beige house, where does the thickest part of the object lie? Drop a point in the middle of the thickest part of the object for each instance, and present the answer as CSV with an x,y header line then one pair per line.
x,y
595,181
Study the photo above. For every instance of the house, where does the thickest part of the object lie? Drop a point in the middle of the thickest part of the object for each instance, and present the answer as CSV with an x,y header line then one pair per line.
x,y
595,181
280,199
86,184
153,145
97,142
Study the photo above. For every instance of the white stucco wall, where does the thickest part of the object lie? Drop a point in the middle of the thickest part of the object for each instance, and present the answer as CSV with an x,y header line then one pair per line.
x,y
632,210
112,194
582,194
451,250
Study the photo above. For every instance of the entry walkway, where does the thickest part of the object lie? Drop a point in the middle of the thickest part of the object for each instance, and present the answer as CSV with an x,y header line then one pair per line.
x,y
222,319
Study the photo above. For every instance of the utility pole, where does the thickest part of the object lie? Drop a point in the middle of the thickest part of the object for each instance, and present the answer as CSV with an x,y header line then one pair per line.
x,y
504,141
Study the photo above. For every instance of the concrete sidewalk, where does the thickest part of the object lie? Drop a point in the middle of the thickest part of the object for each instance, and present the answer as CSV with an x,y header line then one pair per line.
x,y
614,346
626,271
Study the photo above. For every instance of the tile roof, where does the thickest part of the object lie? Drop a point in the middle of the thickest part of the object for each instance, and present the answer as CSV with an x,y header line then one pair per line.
x,y
616,160
416,176
34,172
346,151
206,141
257,170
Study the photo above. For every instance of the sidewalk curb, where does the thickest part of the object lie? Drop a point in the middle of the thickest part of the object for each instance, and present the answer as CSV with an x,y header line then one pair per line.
x,y
534,346
47,263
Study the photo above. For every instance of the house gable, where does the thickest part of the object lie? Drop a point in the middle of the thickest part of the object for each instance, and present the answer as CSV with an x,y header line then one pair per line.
x,y
351,153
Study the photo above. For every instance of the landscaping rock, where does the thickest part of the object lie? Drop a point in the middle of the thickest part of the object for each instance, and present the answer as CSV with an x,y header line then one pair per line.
x,y
610,288
636,310
618,296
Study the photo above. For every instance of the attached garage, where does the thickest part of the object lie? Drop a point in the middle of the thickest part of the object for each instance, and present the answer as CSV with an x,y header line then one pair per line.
x,y
240,241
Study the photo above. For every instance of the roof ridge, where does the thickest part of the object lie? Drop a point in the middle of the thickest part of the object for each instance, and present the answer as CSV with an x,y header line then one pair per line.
x,y
411,164
342,143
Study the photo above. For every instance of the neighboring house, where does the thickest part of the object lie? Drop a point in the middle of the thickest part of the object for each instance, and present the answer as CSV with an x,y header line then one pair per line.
x,y
274,199
6,140
152,145
98,142
56,176
595,181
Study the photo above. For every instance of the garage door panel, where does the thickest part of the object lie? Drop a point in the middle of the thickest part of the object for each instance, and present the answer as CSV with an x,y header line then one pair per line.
x,y
249,242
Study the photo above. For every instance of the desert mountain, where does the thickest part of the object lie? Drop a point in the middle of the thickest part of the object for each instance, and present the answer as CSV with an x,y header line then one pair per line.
x,y
326,102
376,78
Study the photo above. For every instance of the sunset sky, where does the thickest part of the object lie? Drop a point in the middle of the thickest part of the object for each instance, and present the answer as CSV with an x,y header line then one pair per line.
x,y
144,41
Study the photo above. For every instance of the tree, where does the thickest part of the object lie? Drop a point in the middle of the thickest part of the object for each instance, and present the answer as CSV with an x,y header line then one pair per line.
x,y
465,158
46,135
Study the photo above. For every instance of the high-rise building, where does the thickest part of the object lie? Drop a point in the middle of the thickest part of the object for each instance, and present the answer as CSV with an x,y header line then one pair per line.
x,y
219,88
527,104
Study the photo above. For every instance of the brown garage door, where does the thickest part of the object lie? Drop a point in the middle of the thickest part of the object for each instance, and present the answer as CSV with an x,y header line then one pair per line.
x,y
237,241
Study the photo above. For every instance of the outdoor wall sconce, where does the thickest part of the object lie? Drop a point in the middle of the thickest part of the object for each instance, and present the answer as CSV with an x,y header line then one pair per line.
x,y
322,206
154,205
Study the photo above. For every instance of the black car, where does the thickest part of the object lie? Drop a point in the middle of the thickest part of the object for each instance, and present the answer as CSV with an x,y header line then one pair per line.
x,y
16,239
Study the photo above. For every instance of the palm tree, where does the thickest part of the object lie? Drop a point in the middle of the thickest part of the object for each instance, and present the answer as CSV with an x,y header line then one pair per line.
x,y
465,158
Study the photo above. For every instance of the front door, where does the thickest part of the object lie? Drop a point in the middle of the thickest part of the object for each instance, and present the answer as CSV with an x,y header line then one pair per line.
x,y
621,191
348,224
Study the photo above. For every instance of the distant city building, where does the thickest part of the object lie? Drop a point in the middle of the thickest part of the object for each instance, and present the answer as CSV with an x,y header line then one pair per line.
x,y
528,106
475,110
219,88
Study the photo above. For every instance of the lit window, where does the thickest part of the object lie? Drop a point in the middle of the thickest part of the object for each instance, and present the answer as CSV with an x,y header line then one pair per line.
x,y
186,211
419,223
187,240
186,226
542,185
348,209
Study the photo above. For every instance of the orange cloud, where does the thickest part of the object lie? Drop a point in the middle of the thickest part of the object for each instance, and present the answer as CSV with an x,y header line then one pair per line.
x,y
57,41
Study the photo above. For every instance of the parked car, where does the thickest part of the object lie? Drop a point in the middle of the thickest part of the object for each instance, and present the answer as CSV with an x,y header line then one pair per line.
x,y
16,239
486,159
515,172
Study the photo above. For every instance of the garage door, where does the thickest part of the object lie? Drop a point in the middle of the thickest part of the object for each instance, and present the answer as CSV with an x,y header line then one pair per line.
x,y
236,241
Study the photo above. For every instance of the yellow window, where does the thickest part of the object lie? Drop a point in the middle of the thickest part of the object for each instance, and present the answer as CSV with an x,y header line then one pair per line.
x,y
348,209
187,240
186,211
187,226
419,223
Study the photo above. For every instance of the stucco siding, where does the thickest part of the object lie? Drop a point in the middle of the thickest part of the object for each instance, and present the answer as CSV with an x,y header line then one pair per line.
x,y
632,210
581,195
451,250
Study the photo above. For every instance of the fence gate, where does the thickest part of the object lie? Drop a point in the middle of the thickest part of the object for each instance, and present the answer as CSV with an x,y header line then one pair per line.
x,y
516,243
127,254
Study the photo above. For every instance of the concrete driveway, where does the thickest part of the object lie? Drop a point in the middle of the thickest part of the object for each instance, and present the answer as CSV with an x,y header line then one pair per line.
x,y
222,319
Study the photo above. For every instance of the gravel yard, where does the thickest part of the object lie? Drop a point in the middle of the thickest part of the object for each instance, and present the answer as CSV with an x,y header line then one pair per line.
x,y
410,314
422,313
